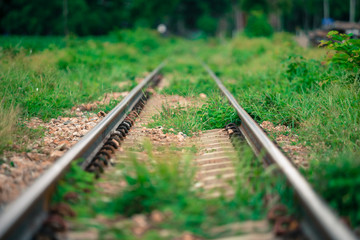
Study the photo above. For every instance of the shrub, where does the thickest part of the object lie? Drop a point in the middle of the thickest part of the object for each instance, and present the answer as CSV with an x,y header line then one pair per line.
x,y
347,50
207,24
258,26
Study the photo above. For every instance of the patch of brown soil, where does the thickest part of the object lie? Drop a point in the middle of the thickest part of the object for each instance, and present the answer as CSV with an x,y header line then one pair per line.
x,y
289,142
21,169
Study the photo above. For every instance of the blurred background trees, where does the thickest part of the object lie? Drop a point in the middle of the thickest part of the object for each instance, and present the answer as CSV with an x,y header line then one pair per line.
x,y
184,17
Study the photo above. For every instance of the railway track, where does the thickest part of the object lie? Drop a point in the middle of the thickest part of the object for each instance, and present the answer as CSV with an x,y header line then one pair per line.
x,y
22,218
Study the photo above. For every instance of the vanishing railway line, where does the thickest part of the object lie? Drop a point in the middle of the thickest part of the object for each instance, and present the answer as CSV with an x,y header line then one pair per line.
x,y
22,218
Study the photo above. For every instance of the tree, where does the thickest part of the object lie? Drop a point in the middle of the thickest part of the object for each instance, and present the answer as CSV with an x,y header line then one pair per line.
x,y
352,10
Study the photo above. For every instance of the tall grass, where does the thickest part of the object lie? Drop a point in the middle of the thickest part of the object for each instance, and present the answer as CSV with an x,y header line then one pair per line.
x,y
214,113
8,124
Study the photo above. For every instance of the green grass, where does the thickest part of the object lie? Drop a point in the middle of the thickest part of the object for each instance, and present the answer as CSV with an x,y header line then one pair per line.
x,y
178,118
46,76
277,81
166,184
337,180
318,100
30,44
272,78
8,117
214,113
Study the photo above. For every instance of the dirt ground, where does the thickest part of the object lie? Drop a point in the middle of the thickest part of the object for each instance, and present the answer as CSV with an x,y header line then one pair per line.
x,y
20,169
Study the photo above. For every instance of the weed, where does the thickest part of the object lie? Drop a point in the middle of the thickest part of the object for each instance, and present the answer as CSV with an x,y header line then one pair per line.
x,y
304,75
166,184
149,189
77,181
8,119
215,113
179,118
347,50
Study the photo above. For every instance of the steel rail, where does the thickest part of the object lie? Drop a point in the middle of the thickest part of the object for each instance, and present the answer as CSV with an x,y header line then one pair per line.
x,y
23,217
320,222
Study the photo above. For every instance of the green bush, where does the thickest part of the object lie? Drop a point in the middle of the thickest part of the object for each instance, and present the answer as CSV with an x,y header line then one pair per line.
x,y
258,26
207,24
347,50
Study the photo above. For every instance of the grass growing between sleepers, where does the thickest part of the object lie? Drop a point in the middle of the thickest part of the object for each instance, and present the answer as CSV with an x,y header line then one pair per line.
x,y
166,186
214,113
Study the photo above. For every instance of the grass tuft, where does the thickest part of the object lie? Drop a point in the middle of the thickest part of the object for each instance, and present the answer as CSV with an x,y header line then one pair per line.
x,y
8,124
216,112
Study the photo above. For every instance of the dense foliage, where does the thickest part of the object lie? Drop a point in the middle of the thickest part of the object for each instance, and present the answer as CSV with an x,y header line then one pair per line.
x,y
93,17
347,50
258,26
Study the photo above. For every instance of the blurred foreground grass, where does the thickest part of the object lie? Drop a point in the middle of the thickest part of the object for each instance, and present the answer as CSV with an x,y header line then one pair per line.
x,y
165,185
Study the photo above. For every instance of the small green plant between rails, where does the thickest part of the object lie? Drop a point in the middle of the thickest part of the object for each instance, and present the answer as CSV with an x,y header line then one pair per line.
x,y
77,181
165,185
215,113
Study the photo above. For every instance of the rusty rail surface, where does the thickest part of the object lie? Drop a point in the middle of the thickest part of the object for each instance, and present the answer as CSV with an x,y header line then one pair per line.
x,y
318,220
23,217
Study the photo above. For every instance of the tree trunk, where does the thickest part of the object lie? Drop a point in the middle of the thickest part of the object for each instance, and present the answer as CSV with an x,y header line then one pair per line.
x,y
326,9
352,10
222,27
65,15
180,27
306,17
275,20
239,19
